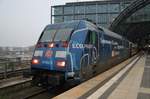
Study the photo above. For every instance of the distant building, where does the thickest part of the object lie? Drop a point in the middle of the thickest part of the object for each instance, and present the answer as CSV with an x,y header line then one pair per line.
x,y
16,52
101,12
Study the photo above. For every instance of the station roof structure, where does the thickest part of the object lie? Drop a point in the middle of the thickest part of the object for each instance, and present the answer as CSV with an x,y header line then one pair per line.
x,y
134,22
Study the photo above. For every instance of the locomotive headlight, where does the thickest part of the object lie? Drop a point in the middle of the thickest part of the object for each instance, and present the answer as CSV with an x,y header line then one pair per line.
x,y
35,61
51,45
61,63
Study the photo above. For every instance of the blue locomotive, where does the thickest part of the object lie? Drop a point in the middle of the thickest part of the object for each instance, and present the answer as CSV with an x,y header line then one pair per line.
x,y
76,50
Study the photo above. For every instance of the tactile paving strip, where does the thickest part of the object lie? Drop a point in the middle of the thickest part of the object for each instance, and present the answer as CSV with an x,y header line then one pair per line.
x,y
145,80
146,76
143,96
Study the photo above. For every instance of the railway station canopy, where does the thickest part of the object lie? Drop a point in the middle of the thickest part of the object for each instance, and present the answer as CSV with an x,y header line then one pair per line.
x,y
134,22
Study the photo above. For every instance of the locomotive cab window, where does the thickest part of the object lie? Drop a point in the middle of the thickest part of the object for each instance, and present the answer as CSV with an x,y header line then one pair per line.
x,y
48,35
58,32
63,34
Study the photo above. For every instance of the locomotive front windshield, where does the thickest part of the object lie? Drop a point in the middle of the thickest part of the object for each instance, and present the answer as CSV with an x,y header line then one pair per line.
x,y
63,34
48,35
59,32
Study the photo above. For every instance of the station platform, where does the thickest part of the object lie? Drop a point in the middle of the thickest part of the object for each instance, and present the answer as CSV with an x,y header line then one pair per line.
x,y
136,83
128,80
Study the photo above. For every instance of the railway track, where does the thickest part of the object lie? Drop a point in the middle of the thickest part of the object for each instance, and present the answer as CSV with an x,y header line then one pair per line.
x,y
35,93
7,91
23,90
26,90
51,91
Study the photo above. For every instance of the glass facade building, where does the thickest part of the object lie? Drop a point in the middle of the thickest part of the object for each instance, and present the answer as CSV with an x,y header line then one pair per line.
x,y
100,12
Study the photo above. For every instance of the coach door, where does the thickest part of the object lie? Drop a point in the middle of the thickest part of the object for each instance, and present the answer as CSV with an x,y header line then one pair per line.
x,y
93,35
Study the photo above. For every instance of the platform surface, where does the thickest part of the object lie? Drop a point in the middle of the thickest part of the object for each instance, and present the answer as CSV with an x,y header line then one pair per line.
x,y
130,87
134,84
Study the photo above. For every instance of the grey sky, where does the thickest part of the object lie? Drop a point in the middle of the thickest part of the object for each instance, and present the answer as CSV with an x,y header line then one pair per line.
x,y
21,21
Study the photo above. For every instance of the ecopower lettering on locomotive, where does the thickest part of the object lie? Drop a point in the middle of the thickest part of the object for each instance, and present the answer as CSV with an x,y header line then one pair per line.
x,y
76,50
